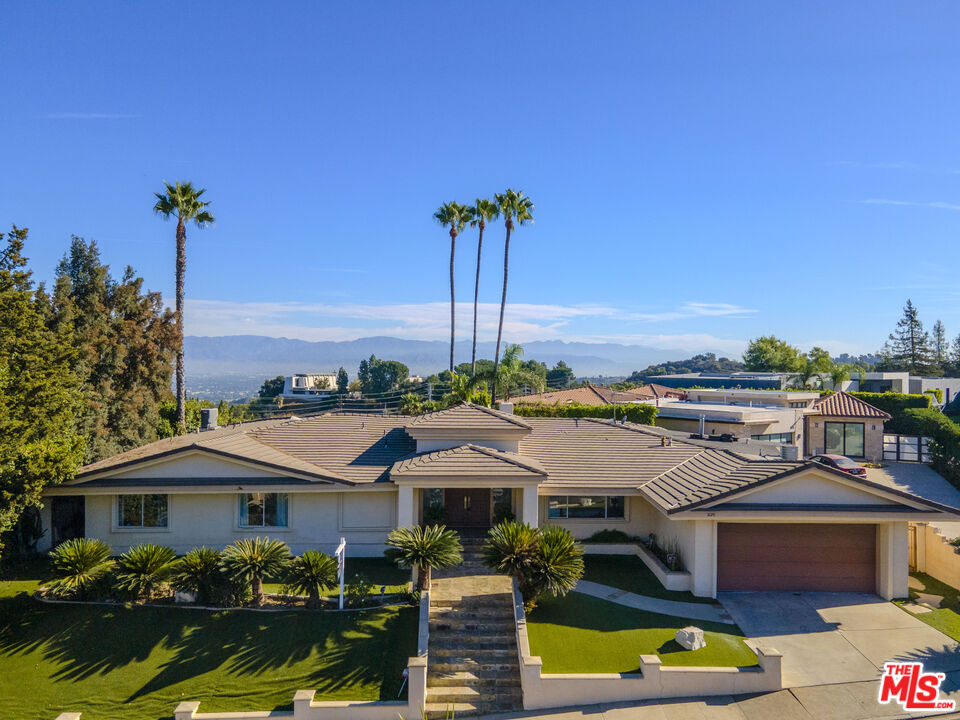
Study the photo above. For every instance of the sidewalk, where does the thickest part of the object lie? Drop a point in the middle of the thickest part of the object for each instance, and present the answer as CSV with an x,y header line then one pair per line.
x,y
694,611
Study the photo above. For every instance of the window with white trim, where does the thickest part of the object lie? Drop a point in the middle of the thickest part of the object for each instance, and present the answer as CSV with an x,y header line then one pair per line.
x,y
263,510
586,506
142,511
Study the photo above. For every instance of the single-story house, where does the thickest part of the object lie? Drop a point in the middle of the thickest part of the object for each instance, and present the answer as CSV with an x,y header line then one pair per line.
x,y
599,395
841,424
741,522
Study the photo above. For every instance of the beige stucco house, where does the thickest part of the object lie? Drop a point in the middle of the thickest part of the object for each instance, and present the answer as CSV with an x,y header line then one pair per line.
x,y
741,522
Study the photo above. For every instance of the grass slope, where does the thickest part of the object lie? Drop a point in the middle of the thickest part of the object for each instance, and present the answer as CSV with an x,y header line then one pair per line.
x,y
583,634
947,618
125,662
630,573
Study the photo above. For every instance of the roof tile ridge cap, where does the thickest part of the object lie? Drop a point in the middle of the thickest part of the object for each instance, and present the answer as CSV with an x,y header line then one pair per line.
x,y
499,415
506,456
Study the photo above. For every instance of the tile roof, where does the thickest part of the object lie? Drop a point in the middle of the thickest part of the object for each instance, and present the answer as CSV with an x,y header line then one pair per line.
x,y
469,460
842,404
468,417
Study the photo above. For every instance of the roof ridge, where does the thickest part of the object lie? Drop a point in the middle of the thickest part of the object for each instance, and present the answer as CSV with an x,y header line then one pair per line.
x,y
675,467
504,455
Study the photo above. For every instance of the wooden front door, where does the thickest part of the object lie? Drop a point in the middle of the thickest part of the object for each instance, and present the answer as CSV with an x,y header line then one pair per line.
x,y
467,507
67,518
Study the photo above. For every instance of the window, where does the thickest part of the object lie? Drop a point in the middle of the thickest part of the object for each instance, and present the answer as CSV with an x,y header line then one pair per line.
x,y
586,506
843,438
263,510
782,438
800,404
142,511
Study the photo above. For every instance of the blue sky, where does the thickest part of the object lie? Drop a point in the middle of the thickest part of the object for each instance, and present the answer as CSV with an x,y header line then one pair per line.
x,y
702,172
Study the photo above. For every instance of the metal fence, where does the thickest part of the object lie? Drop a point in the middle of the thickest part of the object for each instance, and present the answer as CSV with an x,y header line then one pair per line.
x,y
906,448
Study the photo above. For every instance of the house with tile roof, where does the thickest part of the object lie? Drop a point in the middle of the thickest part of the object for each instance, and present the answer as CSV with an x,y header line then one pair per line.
x,y
841,424
741,522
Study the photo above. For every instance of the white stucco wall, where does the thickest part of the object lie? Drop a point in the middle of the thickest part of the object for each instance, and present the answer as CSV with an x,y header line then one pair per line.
x,y
432,445
197,465
316,521
813,490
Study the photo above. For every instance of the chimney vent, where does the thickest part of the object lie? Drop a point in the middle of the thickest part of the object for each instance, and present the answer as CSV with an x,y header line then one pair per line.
x,y
208,418
506,407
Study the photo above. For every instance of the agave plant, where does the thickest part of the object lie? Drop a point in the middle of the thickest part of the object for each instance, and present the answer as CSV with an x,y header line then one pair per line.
x,y
250,560
199,572
427,548
79,563
143,568
310,574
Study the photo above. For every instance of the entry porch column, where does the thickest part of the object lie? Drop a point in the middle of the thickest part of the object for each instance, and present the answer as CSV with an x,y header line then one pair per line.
x,y
530,506
405,506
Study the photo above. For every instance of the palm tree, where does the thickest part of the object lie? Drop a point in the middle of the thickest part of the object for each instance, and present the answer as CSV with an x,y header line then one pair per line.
x,y
199,571
547,560
425,548
483,212
310,574
838,374
559,563
79,563
514,208
144,567
455,216
805,372
183,201
510,374
511,548
252,560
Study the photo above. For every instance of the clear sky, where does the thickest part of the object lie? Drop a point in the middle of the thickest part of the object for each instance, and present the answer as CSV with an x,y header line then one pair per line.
x,y
702,172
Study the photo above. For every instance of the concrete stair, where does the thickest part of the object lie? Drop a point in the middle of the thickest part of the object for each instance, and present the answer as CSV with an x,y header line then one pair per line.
x,y
473,667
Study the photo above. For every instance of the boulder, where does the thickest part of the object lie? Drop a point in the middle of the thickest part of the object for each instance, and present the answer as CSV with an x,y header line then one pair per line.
x,y
691,638
185,596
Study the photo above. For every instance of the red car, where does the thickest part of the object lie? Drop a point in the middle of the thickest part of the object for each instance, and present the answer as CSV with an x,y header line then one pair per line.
x,y
840,462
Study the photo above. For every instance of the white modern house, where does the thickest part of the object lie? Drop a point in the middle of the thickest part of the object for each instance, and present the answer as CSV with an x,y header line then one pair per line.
x,y
304,385
741,522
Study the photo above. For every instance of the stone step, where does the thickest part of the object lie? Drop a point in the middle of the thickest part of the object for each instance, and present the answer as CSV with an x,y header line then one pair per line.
x,y
493,625
471,615
468,640
460,694
502,600
450,711
472,678
480,655
454,664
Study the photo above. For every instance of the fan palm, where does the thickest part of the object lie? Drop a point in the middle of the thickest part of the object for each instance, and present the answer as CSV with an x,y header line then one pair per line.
x,y
79,563
483,211
198,572
182,200
251,560
310,574
455,216
144,567
515,209
426,548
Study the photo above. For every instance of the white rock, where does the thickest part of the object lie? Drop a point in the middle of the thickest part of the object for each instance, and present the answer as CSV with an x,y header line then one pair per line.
x,y
185,597
691,638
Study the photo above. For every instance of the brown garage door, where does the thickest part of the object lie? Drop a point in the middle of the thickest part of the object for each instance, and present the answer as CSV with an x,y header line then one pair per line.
x,y
755,556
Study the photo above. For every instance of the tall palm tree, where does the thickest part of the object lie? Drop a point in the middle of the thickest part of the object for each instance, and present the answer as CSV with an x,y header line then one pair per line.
x,y
510,374
515,209
183,201
483,212
455,216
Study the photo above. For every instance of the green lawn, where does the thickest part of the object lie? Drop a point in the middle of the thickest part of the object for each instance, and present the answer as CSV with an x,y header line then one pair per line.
x,y
947,618
583,634
114,663
628,572
378,570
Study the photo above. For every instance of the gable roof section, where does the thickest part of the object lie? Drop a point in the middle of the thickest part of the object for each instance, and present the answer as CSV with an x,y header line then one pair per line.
x,y
843,404
468,417
469,460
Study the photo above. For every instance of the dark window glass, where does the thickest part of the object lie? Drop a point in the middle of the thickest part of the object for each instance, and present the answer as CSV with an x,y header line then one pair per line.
x,y
557,507
254,509
586,506
615,506
148,511
833,433
853,439
130,510
154,510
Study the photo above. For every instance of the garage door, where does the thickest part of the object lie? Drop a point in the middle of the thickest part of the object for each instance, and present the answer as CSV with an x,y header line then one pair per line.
x,y
754,556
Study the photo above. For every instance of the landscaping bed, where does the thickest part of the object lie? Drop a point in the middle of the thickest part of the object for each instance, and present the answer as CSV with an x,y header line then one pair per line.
x,y
630,573
583,634
946,618
118,662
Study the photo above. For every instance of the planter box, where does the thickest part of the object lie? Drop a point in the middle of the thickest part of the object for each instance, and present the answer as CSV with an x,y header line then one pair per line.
x,y
670,579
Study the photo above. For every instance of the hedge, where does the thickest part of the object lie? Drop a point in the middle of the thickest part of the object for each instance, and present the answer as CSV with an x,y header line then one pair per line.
x,y
893,403
636,413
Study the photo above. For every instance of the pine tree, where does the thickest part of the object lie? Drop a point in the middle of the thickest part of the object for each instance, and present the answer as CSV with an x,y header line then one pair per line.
x,y
910,343
941,346
955,356
343,381
39,443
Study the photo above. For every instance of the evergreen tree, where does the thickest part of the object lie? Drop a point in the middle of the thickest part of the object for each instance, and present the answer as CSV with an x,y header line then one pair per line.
x,y
343,381
771,354
271,387
941,346
910,343
39,444
125,342
955,355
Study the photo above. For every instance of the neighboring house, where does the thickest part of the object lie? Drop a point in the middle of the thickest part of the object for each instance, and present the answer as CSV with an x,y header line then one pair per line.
x,y
843,425
741,522
296,387
598,395
903,382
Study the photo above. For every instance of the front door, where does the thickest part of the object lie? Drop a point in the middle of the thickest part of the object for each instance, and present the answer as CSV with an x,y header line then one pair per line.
x,y
67,518
467,507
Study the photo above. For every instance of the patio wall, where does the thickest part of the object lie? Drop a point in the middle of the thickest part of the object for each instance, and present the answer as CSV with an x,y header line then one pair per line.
x,y
654,681
932,553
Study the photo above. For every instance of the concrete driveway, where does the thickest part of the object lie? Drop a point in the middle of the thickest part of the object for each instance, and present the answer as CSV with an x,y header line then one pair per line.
x,y
924,481
830,638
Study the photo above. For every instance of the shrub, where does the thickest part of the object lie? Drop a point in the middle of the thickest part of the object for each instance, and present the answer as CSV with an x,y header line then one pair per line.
x,y
893,403
250,560
310,574
635,413
199,572
144,568
359,589
609,536
80,564
428,548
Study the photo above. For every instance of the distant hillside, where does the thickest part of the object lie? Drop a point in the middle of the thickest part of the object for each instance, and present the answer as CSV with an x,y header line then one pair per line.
x,y
705,363
250,356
